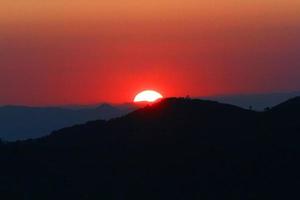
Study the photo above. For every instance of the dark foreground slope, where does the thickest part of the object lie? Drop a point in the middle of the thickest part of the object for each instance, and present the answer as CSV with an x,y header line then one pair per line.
x,y
20,122
175,149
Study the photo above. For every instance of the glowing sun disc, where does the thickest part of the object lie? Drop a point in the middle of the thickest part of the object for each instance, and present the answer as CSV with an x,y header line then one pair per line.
x,y
147,96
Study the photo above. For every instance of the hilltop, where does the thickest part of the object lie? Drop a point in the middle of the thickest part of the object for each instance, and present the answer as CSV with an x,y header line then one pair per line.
x,y
177,148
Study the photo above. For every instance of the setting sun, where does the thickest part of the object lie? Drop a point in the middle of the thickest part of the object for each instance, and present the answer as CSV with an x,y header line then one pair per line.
x,y
147,96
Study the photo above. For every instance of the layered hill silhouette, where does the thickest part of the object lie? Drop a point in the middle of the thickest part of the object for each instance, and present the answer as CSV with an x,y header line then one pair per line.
x,y
257,101
21,122
175,149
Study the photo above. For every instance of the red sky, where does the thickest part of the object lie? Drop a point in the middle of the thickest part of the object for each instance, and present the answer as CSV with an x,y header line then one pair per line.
x,y
74,52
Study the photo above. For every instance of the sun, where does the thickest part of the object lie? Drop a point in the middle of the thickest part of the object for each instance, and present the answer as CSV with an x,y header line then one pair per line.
x,y
147,96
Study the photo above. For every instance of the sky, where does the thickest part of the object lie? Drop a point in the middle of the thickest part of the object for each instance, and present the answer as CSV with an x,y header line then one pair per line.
x,y
55,52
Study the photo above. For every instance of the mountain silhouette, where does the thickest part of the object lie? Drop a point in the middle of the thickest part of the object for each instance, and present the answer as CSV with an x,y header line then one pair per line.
x,y
290,106
178,148
257,101
20,122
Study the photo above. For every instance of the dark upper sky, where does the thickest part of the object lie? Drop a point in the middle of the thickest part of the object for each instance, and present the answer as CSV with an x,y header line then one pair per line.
x,y
66,52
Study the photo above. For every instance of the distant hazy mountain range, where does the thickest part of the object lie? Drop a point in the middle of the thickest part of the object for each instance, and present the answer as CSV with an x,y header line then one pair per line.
x,y
20,122
257,102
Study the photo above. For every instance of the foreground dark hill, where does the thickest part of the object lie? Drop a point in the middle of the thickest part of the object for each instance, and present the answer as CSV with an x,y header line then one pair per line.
x,y
20,122
257,101
166,120
175,149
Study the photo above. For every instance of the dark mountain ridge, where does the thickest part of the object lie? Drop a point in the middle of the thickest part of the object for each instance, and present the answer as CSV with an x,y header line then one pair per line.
x,y
257,101
22,122
175,149
289,106
169,115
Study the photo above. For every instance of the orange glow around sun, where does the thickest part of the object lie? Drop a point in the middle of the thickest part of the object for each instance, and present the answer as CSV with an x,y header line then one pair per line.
x,y
147,96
